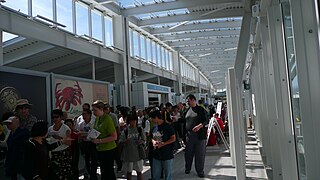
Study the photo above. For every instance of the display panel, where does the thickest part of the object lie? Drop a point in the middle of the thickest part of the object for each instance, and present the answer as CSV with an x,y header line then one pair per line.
x,y
14,86
70,94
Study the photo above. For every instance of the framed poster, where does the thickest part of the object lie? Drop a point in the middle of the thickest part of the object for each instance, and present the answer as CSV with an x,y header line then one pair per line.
x,y
70,93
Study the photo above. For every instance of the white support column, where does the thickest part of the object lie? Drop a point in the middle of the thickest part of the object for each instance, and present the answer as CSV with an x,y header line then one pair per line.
x,y
122,71
263,114
305,20
30,8
93,61
139,44
177,69
270,101
242,50
54,11
256,118
103,22
198,77
90,20
145,48
237,126
1,48
231,126
74,17
279,74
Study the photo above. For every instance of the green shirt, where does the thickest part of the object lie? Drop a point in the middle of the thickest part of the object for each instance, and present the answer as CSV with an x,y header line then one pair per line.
x,y
105,126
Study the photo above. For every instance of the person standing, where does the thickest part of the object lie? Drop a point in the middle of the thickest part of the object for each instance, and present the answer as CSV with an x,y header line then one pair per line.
x,y
107,110
15,143
132,138
163,137
80,119
23,111
36,163
196,119
105,142
88,148
60,165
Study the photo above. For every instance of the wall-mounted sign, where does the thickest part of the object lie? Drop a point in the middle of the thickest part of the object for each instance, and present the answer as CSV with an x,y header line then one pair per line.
x,y
153,87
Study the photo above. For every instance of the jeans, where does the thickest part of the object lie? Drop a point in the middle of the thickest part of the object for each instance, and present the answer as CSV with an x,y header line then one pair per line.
x,y
157,166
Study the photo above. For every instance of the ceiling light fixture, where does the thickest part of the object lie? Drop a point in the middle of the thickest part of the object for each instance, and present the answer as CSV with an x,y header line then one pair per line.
x,y
180,24
217,83
203,55
214,71
230,49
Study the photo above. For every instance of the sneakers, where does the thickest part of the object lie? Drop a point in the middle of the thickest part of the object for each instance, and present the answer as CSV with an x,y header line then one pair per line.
x,y
201,175
187,171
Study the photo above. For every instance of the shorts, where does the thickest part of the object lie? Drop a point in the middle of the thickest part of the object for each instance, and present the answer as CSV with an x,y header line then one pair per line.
x,y
129,166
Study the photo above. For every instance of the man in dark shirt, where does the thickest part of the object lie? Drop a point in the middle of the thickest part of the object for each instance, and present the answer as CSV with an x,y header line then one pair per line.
x,y
163,137
196,118
16,140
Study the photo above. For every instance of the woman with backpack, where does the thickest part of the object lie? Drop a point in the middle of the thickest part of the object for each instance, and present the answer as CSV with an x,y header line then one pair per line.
x,y
133,142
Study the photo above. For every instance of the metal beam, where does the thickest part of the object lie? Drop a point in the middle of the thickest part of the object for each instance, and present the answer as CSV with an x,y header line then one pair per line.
x,y
164,6
228,13
199,34
202,40
198,26
206,46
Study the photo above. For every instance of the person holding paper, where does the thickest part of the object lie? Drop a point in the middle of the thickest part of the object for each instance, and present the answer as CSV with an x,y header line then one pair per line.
x,y
60,165
105,142
87,147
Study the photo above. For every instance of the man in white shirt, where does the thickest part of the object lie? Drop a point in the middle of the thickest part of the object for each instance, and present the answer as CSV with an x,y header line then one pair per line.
x,y
80,118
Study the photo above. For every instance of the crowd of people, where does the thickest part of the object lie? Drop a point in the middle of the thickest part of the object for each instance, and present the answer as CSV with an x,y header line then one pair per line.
x,y
128,137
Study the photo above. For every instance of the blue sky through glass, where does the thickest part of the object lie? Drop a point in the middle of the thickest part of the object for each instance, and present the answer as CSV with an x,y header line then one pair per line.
x,y
7,36
43,8
64,13
96,17
82,19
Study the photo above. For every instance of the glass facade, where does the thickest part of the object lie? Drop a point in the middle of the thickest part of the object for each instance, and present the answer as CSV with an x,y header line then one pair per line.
x,y
88,21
